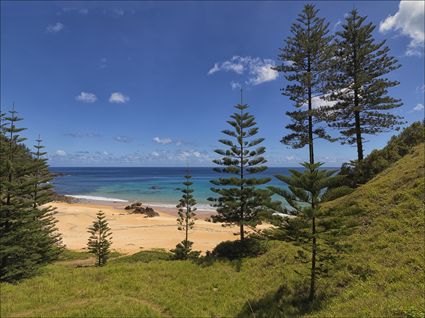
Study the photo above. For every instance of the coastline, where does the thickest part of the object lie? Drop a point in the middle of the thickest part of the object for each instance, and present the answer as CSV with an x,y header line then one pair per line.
x,y
90,199
132,233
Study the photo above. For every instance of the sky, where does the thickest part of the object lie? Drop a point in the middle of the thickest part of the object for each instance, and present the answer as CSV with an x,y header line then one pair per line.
x,y
153,83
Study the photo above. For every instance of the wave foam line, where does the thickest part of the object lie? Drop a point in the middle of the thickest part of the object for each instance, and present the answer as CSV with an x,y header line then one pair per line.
x,y
94,198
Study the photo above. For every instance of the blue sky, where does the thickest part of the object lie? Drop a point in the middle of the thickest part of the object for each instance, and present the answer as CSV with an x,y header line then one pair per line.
x,y
152,84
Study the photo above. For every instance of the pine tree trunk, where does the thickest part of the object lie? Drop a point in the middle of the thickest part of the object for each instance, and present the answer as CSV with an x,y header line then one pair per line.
x,y
310,106
187,224
313,259
310,130
242,234
358,136
356,104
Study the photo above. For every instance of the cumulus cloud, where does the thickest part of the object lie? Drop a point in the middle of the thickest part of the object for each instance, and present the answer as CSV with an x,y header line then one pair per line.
x,y
409,21
162,141
86,97
55,28
418,107
118,98
60,153
258,70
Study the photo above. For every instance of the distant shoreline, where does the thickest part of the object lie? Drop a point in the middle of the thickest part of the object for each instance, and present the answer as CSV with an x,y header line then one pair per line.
x,y
89,199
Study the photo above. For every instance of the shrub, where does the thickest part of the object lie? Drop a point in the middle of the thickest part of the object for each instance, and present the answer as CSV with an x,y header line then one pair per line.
x,y
239,249
183,251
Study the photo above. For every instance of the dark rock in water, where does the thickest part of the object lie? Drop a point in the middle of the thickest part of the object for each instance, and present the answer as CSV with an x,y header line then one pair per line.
x,y
154,187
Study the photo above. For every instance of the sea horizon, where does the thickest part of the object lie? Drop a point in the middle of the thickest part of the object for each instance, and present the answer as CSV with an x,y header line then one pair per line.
x,y
153,186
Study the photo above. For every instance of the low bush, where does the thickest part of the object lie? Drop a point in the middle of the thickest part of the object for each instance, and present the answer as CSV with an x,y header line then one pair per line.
x,y
184,251
231,250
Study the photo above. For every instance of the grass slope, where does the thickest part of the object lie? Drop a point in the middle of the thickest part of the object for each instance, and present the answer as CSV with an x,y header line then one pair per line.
x,y
382,275
386,264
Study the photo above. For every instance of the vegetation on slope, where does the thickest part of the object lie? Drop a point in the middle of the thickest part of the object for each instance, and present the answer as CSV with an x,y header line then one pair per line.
x,y
383,275
380,276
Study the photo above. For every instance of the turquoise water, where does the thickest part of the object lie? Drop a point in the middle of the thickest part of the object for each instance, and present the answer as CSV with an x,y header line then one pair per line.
x,y
156,186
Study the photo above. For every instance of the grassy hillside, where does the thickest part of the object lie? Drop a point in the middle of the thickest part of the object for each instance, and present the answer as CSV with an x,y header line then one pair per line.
x,y
386,264
381,276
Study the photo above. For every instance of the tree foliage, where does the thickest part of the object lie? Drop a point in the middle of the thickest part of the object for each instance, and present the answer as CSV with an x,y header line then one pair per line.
x,y
239,198
359,172
358,86
100,239
186,221
302,200
29,237
305,63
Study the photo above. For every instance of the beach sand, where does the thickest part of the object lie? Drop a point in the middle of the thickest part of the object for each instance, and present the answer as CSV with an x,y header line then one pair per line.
x,y
132,233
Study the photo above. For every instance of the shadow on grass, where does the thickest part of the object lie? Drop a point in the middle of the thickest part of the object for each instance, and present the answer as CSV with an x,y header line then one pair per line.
x,y
285,302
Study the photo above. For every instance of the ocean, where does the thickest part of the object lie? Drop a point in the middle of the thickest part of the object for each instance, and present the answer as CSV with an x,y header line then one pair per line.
x,y
153,186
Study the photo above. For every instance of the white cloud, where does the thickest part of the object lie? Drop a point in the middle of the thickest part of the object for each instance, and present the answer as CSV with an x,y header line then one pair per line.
x,y
262,73
184,155
162,141
60,153
258,70
235,85
118,98
409,21
54,28
214,69
320,101
86,97
418,107
83,11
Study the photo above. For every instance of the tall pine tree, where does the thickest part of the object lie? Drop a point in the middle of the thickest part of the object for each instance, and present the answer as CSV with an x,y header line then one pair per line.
x,y
100,239
239,198
303,196
359,88
28,237
305,63
49,241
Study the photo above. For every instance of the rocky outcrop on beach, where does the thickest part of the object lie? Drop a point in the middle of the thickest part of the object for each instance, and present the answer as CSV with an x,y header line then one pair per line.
x,y
137,208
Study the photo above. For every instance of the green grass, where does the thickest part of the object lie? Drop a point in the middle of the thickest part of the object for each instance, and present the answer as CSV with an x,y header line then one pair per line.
x,y
382,275
386,264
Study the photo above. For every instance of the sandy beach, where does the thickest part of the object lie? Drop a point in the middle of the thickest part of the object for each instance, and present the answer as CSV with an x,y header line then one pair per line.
x,y
133,232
